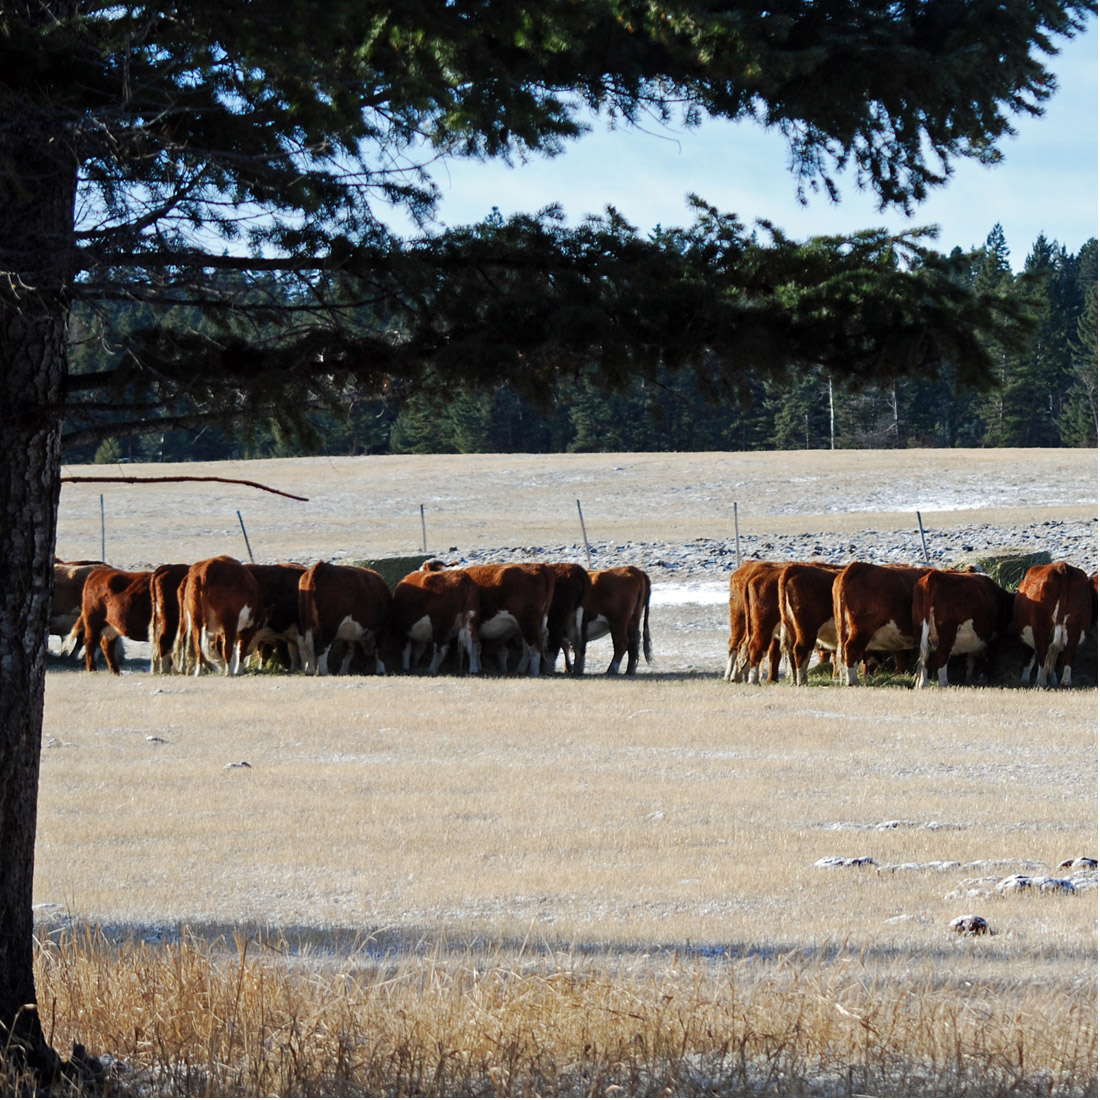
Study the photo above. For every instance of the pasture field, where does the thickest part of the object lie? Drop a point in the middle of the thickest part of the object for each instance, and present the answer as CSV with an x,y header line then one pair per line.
x,y
368,506
498,886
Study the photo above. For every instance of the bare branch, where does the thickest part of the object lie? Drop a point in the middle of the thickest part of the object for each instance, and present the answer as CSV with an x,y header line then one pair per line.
x,y
158,480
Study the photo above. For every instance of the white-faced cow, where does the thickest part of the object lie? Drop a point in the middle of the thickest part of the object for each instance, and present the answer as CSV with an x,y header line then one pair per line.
x,y
957,614
342,603
618,604
514,605
564,624
165,614
806,614
115,604
1053,610
436,606
220,614
873,610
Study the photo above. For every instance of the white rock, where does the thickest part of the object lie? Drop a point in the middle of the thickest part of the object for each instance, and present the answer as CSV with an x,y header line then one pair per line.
x,y
970,925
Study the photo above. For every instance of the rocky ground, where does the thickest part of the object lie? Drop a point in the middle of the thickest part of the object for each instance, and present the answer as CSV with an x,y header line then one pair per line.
x,y
698,560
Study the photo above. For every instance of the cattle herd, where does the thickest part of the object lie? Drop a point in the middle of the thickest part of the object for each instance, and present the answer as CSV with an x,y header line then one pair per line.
x,y
862,613
217,613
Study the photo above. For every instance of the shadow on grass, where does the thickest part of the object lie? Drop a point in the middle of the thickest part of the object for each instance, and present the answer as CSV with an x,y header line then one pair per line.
x,y
371,947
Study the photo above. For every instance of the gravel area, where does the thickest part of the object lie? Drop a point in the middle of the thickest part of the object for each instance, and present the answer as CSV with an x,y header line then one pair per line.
x,y
698,560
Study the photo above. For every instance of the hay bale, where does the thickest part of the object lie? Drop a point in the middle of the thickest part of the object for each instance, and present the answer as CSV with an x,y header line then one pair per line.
x,y
392,569
1007,567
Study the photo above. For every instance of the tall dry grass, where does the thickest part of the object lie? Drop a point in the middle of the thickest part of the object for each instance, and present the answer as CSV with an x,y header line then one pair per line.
x,y
195,1019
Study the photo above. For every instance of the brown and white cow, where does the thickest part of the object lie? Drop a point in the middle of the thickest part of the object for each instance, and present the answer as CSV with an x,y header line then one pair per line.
x,y
1053,610
957,613
437,606
279,635
873,610
115,604
165,614
220,614
342,603
514,605
806,613
564,624
68,593
617,604
737,664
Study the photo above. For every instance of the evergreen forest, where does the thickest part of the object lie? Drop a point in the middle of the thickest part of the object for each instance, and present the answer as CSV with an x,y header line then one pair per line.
x,y
1045,395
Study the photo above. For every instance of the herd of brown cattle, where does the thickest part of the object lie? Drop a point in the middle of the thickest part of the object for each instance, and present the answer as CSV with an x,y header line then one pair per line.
x,y
862,612
214,614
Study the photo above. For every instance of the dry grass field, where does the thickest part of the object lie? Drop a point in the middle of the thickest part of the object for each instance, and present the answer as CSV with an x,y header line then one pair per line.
x,y
364,507
453,886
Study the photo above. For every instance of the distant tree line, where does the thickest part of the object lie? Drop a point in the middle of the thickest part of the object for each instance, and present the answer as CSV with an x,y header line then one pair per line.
x,y
1044,396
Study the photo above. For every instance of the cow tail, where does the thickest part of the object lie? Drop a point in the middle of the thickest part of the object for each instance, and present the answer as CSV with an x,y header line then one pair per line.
x,y
308,624
75,637
647,649
156,617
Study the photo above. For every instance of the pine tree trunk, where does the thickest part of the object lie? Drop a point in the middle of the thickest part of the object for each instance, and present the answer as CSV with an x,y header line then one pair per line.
x,y
31,375
37,192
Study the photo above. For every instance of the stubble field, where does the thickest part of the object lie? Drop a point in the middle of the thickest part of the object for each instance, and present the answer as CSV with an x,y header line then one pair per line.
x,y
503,886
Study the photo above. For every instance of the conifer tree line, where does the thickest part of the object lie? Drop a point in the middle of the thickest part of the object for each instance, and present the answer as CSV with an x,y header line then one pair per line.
x,y
1045,395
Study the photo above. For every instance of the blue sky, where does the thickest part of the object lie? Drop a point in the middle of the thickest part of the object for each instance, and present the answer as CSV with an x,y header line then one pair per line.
x,y
1047,182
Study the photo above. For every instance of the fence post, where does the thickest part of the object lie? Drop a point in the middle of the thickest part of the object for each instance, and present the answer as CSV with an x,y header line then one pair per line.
x,y
102,531
584,533
736,538
247,545
924,544
423,529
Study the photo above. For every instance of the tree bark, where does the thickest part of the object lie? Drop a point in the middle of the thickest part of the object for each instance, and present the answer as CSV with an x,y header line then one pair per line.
x,y
38,176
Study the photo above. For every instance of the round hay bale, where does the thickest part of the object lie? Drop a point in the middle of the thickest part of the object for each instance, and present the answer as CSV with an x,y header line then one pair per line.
x,y
1007,567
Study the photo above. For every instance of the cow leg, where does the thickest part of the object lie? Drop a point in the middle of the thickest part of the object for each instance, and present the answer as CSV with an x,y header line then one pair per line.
x,y
634,645
849,652
1069,655
799,659
619,647
731,664
91,644
1025,677
439,655
110,644
473,649
773,661
229,651
105,646
754,651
